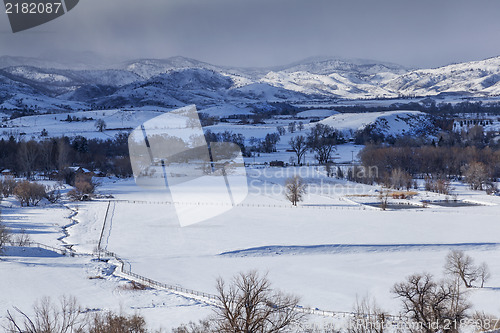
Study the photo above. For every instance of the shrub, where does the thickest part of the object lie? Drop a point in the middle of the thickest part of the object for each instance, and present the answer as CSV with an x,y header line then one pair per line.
x,y
53,193
7,187
84,188
20,239
29,194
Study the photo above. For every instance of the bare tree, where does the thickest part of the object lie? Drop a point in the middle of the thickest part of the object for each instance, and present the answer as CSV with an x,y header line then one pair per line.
x,y
483,273
486,322
281,130
461,265
49,318
249,305
295,188
383,195
4,236
322,140
400,179
368,317
100,125
292,126
476,175
63,154
299,145
21,239
68,317
27,156
432,306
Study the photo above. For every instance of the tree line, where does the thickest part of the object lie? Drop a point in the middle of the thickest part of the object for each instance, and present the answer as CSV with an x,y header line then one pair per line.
x,y
25,158
480,167
429,106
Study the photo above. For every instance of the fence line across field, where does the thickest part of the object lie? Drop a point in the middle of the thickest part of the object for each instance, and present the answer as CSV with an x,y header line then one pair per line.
x,y
249,205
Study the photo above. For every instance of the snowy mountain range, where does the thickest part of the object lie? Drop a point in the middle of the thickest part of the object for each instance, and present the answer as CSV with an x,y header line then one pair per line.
x,y
36,84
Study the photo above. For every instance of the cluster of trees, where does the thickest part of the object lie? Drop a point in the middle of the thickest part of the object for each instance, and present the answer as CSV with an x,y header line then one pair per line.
x,y
320,139
431,305
31,193
24,158
266,145
70,119
398,165
293,126
440,305
68,316
226,136
28,193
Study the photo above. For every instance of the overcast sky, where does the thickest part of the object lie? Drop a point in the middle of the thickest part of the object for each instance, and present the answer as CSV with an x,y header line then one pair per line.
x,y
416,33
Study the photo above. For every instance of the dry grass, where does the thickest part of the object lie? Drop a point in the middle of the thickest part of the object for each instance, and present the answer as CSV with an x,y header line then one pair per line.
x,y
132,285
403,194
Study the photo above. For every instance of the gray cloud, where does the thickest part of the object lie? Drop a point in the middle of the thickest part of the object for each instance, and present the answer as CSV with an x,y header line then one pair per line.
x,y
424,33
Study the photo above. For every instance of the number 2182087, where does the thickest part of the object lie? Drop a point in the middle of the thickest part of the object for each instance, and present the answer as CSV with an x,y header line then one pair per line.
x,y
33,8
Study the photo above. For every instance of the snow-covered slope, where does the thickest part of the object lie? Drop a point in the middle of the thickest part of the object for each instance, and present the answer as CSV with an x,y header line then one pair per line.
x,y
333,85
147,68
471,78
390,123
329,65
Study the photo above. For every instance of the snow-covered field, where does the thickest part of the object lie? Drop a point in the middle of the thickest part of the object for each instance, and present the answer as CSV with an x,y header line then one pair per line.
x,y
328,250
393,123
57,126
